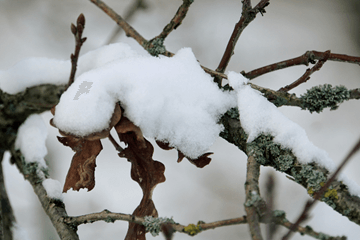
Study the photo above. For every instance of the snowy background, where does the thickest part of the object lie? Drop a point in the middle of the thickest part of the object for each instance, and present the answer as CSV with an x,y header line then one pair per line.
x,y
35,28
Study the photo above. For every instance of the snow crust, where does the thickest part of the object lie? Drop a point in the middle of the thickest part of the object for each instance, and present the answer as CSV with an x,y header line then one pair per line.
x,y
31,139
170,99
53,188
259,116
34,71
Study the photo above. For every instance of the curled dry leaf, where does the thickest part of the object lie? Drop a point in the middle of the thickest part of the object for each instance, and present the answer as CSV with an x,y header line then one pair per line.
x,y
82,168
200,162
144,170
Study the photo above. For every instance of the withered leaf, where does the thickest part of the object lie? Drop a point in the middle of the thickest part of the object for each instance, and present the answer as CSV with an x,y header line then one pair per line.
x,y
144,170
164,145
200,162
82,168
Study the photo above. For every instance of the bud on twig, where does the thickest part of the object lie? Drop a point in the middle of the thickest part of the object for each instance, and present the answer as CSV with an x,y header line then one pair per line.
x,y
73,29
81,20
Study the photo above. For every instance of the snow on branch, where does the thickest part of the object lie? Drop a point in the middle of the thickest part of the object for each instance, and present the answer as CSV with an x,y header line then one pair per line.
x,y
171,99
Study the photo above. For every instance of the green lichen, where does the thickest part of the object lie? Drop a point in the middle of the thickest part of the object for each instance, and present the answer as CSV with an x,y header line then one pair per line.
x,y
192,230
109,220
323,236
279,213
255,198
266,152
331,193
157,47
233,113
323,96
153,225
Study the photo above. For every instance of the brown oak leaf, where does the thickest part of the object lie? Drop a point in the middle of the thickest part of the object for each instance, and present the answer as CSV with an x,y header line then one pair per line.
x,y
87,148
82,168
144,170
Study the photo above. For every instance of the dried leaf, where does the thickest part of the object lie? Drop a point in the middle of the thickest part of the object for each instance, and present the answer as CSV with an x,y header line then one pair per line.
x,y
126,126
200,162
144,170
82,168
164,145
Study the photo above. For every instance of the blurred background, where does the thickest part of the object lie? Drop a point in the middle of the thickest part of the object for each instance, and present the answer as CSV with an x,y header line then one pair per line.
x,y
41,28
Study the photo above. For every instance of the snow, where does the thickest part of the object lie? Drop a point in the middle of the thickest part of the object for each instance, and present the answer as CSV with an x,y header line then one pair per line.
x,y
31,139
170,99
259,116
34,71
19,233
53,188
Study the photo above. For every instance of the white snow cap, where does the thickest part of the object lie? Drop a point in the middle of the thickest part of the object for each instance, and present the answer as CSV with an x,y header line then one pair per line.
x,y
31,139
170,99
53,188
34,71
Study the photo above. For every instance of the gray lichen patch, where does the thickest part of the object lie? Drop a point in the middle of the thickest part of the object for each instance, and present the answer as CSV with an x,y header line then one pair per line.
x,y
323,96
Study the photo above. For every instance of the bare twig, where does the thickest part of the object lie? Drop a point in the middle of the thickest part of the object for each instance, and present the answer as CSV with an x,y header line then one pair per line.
x,y
254,205
279,218
130,31
270,197
136,5
306,75
77,31
248,14
305,59
176,20
321,192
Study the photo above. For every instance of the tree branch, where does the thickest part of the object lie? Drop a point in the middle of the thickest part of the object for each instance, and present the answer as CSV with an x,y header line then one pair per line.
x,y
254,206
7,218
320,193
248,15
305,59
176,20
77,31
306,75
55,209
130,31
136,5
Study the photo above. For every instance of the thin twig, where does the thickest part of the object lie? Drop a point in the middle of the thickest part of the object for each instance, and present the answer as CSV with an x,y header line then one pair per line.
x,y
248,14
137,5
322,190
305,59
306,76
77,31
254,205
130,31
176,20
270,197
